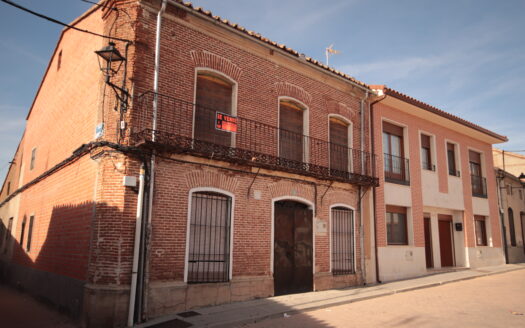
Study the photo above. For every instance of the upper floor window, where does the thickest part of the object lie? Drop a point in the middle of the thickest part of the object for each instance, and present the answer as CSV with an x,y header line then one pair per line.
x,y
339,145
209,238
451,158
396,225
292,142
479,185
396,167
213,94
512,229
426,154
33,159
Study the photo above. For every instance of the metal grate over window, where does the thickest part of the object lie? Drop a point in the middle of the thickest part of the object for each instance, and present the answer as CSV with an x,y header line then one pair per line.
x,y
209,239
342,241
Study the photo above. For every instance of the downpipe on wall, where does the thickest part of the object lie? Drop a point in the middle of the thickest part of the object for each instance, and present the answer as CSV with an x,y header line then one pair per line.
x,y
145,236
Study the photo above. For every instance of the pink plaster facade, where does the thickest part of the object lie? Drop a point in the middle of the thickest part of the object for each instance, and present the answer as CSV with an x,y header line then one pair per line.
x,y
434,192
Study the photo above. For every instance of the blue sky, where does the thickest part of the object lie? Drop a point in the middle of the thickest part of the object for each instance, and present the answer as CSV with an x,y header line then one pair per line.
x,y
464,56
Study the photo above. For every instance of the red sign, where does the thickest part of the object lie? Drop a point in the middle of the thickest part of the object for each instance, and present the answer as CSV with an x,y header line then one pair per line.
x,y
225,122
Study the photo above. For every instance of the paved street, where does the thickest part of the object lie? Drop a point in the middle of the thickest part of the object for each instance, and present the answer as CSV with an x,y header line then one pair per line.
x,y
493,301
19,310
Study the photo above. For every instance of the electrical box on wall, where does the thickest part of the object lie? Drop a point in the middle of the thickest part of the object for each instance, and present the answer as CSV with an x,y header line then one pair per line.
x,y
129,181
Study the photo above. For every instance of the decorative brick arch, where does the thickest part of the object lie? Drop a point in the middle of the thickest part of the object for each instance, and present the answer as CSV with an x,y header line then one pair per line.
x,y
293,91
200,178
335,107
207,59
287,188
348,197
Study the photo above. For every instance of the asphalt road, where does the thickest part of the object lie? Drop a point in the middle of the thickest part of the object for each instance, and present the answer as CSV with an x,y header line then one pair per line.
x,y
493,301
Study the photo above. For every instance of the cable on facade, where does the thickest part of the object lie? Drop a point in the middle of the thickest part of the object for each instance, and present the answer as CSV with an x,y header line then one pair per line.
x,y
78,153
9,2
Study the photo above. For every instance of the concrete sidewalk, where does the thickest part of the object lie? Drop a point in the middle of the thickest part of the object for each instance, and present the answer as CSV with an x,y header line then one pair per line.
x,y
237,314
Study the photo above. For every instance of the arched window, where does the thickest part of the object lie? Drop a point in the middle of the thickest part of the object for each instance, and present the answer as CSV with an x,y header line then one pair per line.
x,y
342,241
209,238
292,143
512,231
340,156
214,94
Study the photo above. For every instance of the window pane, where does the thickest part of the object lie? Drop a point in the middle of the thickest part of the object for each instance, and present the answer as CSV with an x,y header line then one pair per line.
x,y
209,240
342,241
451,156
396,145
396,229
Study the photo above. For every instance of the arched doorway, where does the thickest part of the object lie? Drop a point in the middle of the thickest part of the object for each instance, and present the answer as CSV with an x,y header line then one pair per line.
x,y
293,248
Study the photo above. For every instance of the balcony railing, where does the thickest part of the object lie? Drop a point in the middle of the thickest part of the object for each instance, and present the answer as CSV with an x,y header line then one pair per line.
x,y
396,169
479,186
254,143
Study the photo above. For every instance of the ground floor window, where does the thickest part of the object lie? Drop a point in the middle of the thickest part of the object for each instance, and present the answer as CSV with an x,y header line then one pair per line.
x,y
396,225
209,238
481,230
342,241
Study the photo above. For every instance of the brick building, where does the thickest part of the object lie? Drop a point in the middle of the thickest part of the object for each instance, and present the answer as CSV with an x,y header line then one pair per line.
x,y
437,203
211,166
214,165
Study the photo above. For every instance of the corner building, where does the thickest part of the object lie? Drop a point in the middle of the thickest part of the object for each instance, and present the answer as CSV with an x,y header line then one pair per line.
x,y
254,163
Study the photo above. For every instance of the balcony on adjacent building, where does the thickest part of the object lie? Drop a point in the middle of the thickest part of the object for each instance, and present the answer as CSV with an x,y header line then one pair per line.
x,y
396,169
479,186
184,127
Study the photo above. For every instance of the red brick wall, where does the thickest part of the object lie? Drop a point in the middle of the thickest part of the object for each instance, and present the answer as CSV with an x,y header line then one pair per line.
x,y
262,76
252,227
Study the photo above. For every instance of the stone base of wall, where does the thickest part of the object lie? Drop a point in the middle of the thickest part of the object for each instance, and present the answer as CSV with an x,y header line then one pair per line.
x,y
485,256
173,297
105,306
64,292
326,280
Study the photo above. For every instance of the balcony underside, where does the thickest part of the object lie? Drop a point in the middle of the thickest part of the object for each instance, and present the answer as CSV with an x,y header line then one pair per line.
x,y
173,143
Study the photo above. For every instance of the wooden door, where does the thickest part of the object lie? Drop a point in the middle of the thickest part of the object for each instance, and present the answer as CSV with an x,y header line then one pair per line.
x,y
428,244
293,248
446,240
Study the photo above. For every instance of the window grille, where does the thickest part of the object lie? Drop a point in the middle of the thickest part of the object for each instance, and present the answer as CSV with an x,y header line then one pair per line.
x,y
209,239
342,241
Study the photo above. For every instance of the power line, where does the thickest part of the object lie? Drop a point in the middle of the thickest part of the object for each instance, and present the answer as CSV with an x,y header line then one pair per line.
x,y
62,23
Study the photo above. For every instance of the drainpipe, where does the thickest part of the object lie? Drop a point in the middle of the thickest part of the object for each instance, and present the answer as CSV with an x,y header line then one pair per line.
x,y
374,194
153,138
500,177
136,248
361,194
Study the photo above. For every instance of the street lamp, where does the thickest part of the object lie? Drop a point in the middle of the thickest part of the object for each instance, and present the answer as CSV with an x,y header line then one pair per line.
x,y
107,56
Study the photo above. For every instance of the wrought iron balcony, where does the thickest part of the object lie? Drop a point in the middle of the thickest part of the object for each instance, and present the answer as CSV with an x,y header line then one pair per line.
x,y
254,143
396,169
479,186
